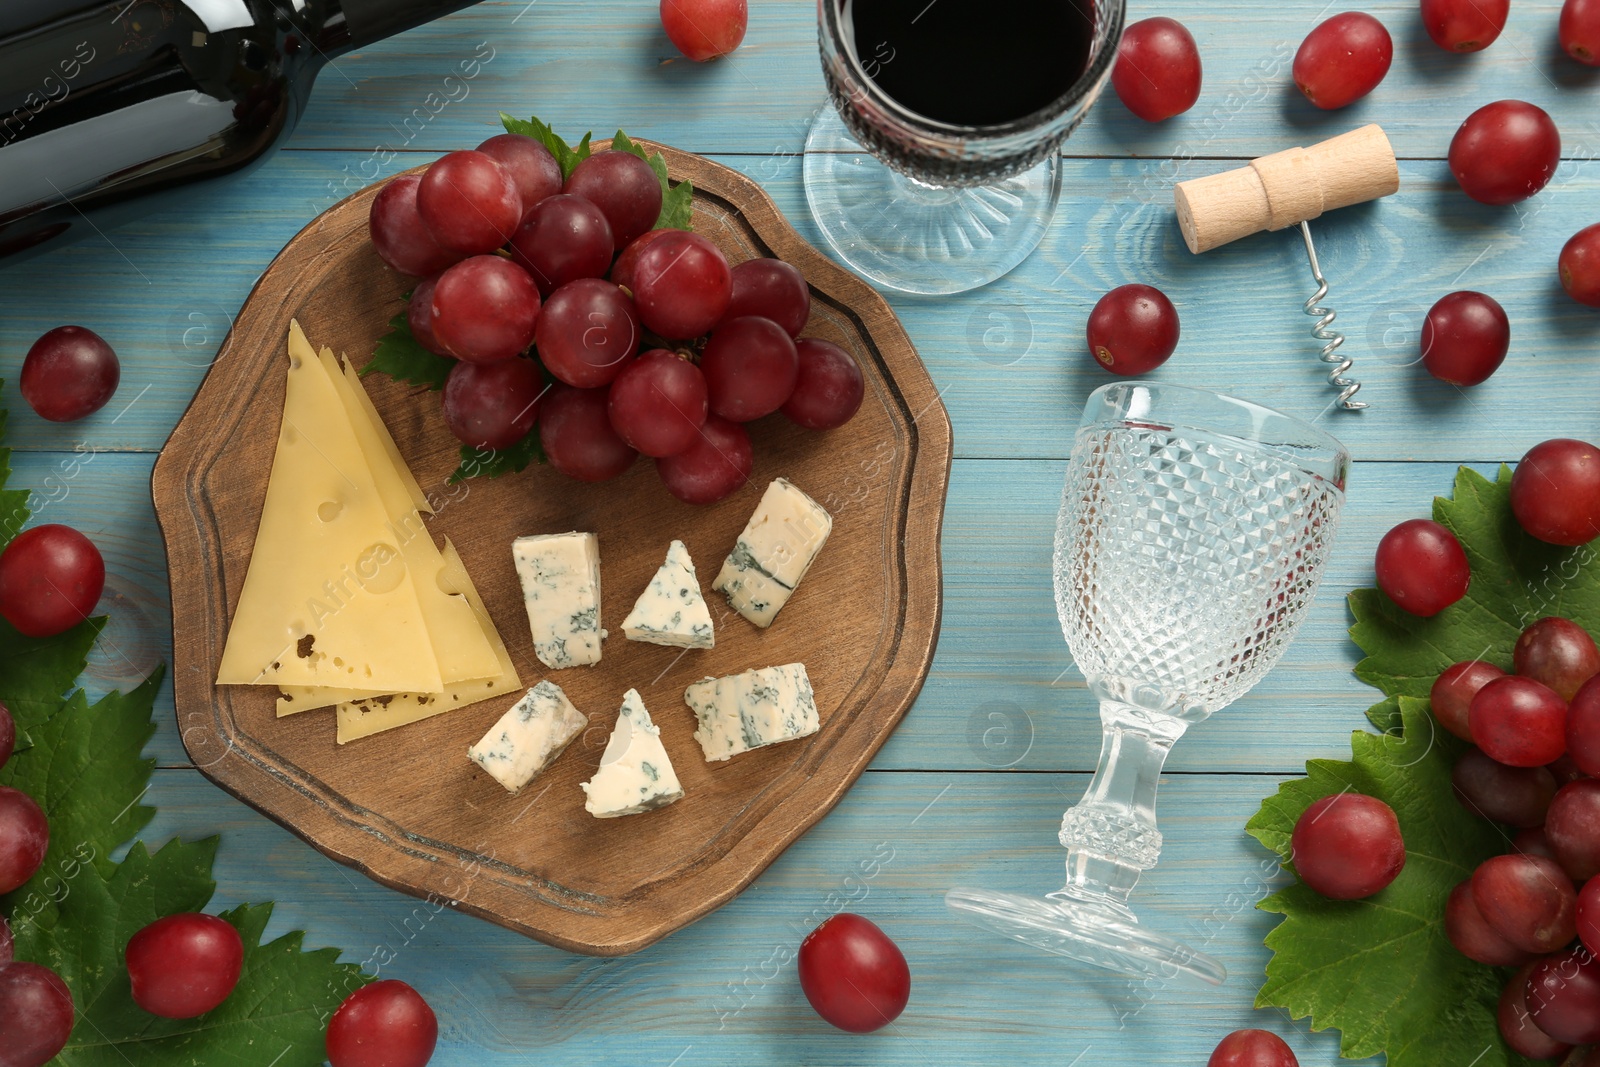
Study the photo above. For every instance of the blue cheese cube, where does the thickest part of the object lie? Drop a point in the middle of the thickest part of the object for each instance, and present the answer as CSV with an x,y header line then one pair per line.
x,y
635,774
529,737
560,575
752,710
671,610
773,553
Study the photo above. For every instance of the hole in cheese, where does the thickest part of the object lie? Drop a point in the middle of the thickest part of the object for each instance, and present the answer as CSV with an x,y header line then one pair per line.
x,y
380,569
329,510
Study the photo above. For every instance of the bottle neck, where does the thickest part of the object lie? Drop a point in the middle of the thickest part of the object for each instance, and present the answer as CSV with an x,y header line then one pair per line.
x,y
358,23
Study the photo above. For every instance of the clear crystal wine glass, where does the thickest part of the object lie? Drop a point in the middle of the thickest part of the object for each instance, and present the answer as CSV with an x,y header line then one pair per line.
x,y
1193,531
943,208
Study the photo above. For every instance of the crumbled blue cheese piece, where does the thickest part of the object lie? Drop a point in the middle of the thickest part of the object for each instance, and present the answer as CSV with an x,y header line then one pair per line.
x,y
635,774
773,553
671,610
529,737
753,709
560,576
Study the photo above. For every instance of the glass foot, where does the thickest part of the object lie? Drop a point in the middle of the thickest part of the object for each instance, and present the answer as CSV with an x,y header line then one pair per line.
x,y
1104,937
901,234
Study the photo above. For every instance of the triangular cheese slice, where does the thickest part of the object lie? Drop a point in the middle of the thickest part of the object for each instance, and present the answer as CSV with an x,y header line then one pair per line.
x,y
419,499
671,610
635,774
328,599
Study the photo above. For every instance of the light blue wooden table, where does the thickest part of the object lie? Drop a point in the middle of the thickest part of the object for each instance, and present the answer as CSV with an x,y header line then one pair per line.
x,y
971,787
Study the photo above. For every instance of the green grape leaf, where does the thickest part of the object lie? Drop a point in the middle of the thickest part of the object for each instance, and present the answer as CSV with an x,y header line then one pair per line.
x,y
567,156
492,463
677,201
36,672
402,358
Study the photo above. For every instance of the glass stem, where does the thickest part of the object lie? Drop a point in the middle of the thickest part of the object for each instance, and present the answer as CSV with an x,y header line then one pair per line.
x,y
1111,835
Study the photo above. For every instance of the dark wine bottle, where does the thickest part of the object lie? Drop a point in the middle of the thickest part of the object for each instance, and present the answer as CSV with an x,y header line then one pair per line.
x,y
103,102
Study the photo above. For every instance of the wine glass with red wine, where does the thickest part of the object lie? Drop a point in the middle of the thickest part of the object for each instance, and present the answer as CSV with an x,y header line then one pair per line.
x,y
964,105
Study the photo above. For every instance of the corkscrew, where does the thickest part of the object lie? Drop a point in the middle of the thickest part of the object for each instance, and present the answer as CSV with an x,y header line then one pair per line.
x,y
1289,188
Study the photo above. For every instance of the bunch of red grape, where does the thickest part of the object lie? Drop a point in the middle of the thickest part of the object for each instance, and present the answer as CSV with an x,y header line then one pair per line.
x,y
657,345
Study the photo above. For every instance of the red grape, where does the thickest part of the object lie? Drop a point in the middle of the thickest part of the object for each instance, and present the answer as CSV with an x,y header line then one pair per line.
x,y
485,309
533,170
682,285
8,734
750,366
1347,846
1579,265
1472,935
491,406
1519,722
564,238
1589,914
1583,727
51,577
1505,152
1528,900
773,290
575,432
1133,329
855,977
1557,652
385,1024
1252,1048
1579,30
717,465
624,188
1465,338
622,269
1516,796
470,203
658,403
1157,74
399,235
1452,693
587,332
36,1014
1515,1025
24,837
1343,59
1564,996
69,373
1572,826
1532,842
184,965
1464,25
827,394
1562,769
705,29
419,316
1422,567
1555,492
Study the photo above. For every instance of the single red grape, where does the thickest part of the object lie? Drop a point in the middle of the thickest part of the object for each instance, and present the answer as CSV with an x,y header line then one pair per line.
x,y
8,734
1519,722
485,309
1505,152
1589,914
1252,1048
658,403
1583,727
717,465
399,235
470,203
587,332
854,976
773,290
1532,842
1133,329
564,238
1472,935
1555,492
682,285
1579,30
575,432
1343,59
419,316
1572,826
1157,74
533,170
184,965
51,577
1579,265
622,270
1465,338
1563,996
1422,567
624,188
1516,796
1464,25
36,1014
491,406
1528,900
69,374
1557,652
1518,1028
385,1024
1347,846
24,837
751,366
827,394
705,29
1453,691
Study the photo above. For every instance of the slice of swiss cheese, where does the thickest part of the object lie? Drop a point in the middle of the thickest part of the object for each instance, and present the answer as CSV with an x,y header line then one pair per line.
x,y
328,599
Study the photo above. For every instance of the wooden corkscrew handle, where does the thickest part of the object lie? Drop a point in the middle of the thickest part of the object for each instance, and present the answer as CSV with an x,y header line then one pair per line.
x,y
1286,188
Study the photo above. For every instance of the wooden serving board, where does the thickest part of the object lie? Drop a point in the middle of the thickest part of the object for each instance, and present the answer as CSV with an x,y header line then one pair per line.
x,y
407,807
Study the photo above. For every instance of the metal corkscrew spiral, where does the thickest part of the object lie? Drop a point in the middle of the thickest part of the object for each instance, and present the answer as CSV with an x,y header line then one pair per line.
x,y
1347,387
